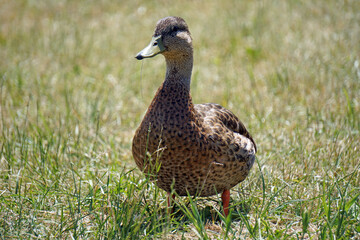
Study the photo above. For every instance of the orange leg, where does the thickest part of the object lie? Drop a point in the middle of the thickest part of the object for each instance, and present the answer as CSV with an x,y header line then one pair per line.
x,y
170,198
226,200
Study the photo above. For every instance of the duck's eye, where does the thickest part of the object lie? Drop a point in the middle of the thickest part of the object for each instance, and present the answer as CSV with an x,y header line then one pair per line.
x,y
174,31
155,44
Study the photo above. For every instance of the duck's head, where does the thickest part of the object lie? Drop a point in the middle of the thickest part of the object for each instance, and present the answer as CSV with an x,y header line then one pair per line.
x,y
171,38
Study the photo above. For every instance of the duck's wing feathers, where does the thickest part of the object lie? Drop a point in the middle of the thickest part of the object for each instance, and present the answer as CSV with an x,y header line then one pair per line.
x,y
214,113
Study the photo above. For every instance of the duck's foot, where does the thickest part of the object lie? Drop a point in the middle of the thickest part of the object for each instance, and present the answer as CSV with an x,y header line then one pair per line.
x,y
170,199
226,200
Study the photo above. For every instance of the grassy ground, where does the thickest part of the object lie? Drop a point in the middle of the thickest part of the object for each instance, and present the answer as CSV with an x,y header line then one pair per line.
x,y
72,94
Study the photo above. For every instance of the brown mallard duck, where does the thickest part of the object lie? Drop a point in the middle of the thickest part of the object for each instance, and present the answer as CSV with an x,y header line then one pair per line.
x,y
197,150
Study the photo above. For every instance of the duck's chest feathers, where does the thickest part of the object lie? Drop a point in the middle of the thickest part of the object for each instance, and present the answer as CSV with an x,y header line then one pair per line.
x,y
171,106
169,121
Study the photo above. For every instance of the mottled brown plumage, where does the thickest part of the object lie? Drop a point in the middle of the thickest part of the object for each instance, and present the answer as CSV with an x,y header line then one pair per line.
x,y
202,149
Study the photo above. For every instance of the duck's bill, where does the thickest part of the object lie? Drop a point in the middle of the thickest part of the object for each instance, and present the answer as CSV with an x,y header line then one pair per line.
x,y
154,48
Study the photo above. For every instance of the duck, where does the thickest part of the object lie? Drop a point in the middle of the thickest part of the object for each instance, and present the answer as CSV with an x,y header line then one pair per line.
x,y
188,149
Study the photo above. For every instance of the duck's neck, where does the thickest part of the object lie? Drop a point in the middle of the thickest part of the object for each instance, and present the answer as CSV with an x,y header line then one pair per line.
x,y
178,70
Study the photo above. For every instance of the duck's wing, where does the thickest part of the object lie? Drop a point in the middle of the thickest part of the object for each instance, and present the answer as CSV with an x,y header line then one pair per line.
x,y
212,113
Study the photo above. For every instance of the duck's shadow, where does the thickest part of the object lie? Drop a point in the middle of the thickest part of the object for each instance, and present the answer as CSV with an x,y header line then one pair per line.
x,y
206,211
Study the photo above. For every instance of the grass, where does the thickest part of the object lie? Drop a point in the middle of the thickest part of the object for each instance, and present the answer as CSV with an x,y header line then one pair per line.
x,y
72,95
